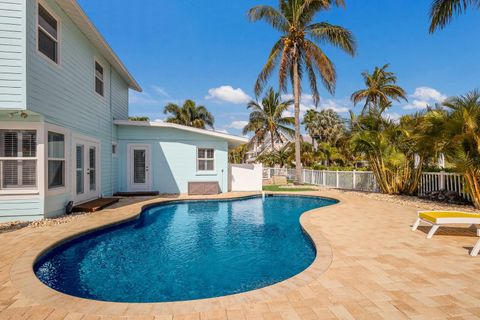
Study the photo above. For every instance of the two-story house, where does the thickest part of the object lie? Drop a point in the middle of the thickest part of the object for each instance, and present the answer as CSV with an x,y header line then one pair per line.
x,y
64,129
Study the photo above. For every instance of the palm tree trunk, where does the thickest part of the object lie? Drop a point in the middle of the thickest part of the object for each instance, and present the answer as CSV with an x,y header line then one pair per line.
x,y
296,97
272,141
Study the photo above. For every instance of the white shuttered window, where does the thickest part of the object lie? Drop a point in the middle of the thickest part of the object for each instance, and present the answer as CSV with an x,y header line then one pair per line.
x,y
18,159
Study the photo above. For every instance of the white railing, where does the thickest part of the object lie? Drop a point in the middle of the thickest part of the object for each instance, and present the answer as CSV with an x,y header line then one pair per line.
x,y
350,180
435,181
365,180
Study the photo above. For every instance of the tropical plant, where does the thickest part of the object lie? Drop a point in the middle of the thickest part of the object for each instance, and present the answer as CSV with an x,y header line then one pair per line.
x,y
267,119
138,118
395,150
238,154
297,52
459,134
189,115
325,126
381,88
442,11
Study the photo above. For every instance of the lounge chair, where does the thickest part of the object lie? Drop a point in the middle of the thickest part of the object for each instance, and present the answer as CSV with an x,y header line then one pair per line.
x,y
440,218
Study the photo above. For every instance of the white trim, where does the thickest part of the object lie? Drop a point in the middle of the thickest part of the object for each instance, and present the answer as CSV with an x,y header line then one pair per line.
x,y
60,130
78,16
43,3
147,186
206,172
88,141
95,61
39,128
230,138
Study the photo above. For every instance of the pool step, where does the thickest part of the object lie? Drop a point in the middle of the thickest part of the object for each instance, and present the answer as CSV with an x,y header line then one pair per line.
x,y
95,205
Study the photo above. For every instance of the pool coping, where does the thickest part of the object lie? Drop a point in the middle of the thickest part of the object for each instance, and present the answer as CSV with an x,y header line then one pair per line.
x,y
24,279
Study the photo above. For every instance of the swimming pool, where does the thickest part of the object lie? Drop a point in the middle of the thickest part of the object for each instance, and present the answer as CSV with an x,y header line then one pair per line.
x,y
186,250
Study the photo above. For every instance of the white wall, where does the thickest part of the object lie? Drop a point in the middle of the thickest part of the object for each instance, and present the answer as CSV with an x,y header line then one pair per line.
x,y
245,177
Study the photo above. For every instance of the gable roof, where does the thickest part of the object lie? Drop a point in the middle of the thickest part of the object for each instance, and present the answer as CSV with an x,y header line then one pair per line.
x,y
231,139
78,16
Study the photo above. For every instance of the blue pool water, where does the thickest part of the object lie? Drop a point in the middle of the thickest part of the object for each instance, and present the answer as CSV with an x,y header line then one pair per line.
x,y
185,251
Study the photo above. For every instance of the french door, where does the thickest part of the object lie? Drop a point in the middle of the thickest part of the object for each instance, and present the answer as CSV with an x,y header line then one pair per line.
x,y
86,170
139,162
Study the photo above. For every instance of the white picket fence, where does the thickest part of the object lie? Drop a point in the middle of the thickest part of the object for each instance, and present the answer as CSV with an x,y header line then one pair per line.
x,y
350,180
365,180
434,181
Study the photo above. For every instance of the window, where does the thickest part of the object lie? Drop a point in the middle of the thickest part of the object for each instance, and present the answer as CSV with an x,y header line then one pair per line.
x,y
18,163
56,160
47,34
99,82
206,160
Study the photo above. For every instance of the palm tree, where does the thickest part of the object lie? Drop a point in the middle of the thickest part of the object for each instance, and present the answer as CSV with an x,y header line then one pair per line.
x,y
238,155
267,119
381,87
189,115
297,51
461,129
442,11
325,126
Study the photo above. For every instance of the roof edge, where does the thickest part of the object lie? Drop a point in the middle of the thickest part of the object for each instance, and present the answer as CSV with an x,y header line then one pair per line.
x,y
212,133
98,40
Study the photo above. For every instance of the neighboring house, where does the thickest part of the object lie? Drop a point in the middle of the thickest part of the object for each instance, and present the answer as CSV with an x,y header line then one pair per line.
x,y
64,133
260,148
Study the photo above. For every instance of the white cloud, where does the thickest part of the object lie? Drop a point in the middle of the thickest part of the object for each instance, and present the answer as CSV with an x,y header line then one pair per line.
x,y
426,94
228,94
423,97
306,103
221,130
393,116
416,105
237,124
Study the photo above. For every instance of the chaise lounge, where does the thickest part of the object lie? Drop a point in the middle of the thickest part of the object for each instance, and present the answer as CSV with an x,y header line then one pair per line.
x,y
440,218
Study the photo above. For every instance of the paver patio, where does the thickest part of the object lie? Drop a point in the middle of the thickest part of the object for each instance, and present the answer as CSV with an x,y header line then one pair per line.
x,y
370,265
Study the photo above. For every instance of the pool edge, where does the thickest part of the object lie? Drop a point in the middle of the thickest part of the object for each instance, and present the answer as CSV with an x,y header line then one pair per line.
x,y
24,279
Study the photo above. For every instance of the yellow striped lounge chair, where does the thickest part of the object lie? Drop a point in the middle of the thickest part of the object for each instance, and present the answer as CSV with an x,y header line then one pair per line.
x,y
440,218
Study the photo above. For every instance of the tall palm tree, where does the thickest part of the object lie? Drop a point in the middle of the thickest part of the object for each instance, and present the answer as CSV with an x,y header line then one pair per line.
x,y
297,51
462,139
381,88
189,115
442,11
267,119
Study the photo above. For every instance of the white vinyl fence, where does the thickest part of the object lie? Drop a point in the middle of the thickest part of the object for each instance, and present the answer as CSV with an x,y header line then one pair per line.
x,y
435,181
365,180
351,180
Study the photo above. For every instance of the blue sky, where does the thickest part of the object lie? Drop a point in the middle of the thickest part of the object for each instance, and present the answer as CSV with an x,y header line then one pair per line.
x,y
208,51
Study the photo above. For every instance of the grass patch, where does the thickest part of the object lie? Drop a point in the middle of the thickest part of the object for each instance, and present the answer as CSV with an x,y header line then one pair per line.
x,y
274,188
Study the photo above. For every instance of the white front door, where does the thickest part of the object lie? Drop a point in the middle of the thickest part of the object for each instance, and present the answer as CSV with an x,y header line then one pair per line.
x,y
86,170
139,173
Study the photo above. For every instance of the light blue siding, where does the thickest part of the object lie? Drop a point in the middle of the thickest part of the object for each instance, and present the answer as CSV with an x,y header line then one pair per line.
x,y
12,54
25,208
64,95
119,97
174,157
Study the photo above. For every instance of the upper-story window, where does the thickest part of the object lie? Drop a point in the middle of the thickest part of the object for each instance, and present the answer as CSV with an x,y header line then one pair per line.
x,y
99,79
47,34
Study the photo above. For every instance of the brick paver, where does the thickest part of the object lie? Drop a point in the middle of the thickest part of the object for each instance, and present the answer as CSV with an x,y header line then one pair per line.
x,y
369,266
